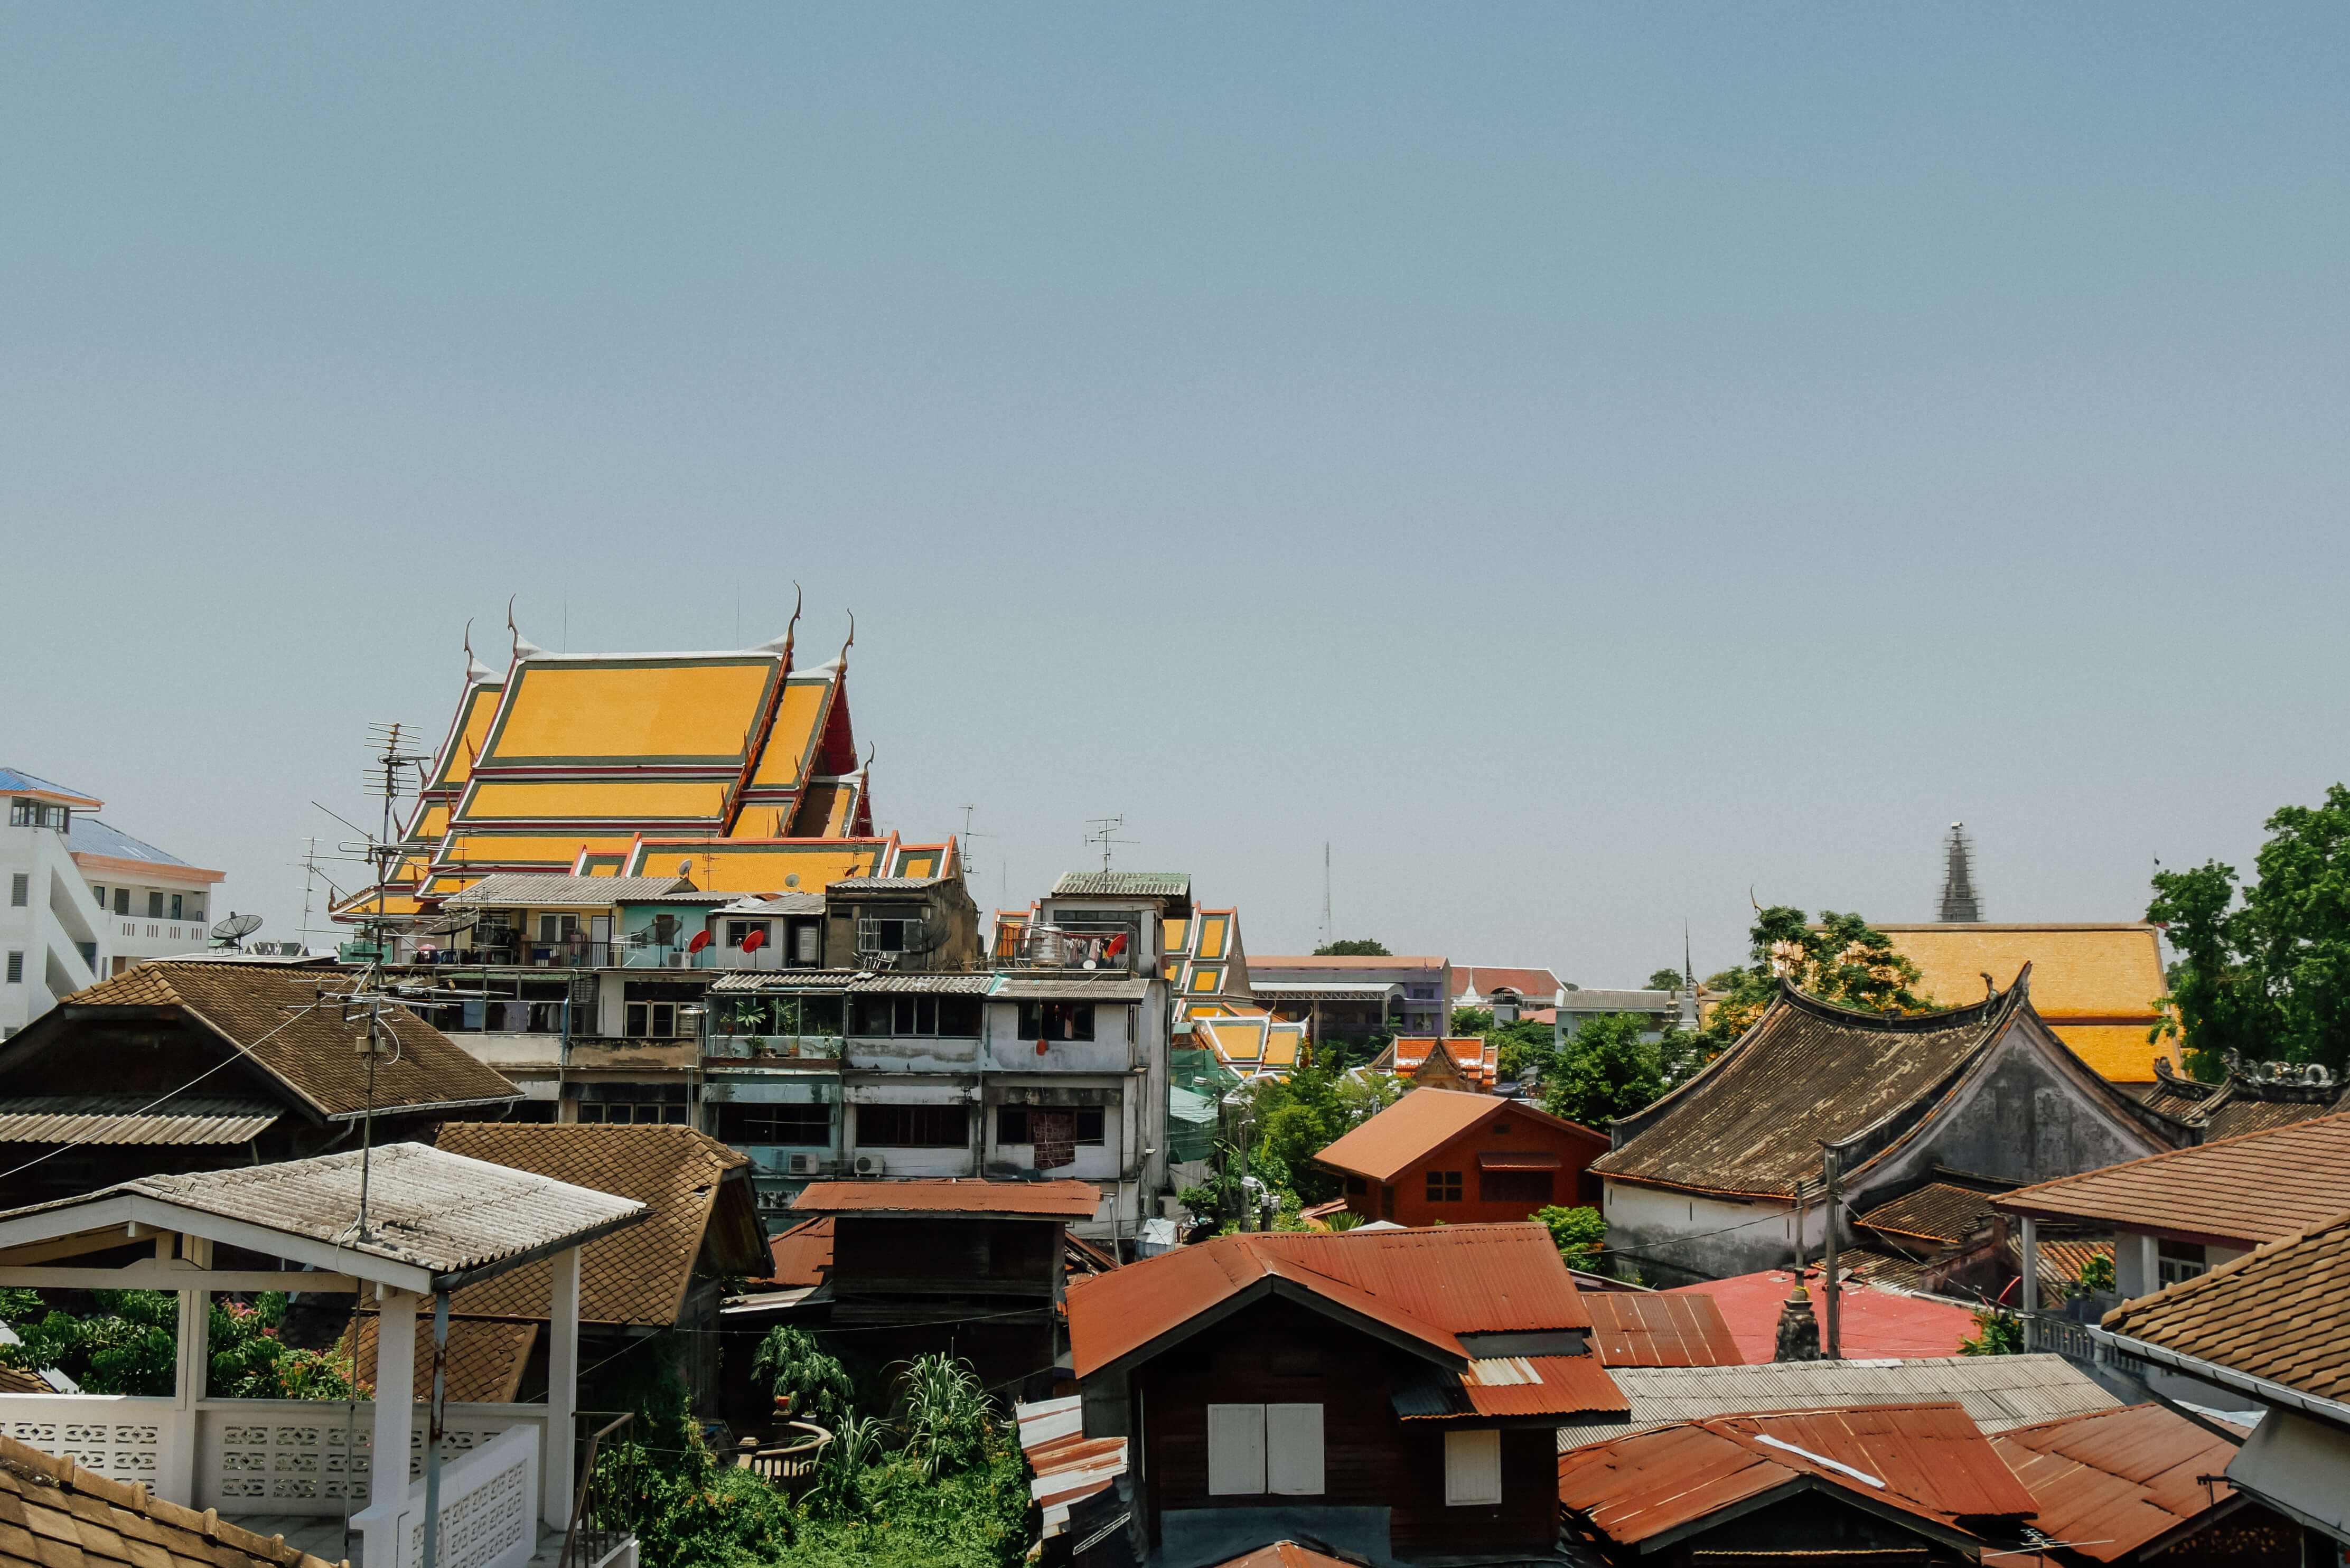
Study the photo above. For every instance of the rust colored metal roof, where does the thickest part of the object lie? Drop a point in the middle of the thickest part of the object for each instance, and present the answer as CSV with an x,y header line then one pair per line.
x,y
1286,1554
949,1195
1630,1330
1508,1385
1430,1285
1424,1121
1927,1460
2115,1481
2281,1311
1877,1324
2239,1191
1068,1465
801,1255
1807,1072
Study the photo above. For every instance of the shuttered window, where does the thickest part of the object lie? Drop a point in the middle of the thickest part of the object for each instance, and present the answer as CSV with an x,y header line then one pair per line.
x,y
1472,1469
1235,1450
1292,1450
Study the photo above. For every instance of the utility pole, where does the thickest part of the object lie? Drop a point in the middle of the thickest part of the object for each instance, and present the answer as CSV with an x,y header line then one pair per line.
x,y
1833,1350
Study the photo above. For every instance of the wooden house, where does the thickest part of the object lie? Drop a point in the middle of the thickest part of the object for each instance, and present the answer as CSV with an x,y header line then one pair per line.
x,y
1445,1155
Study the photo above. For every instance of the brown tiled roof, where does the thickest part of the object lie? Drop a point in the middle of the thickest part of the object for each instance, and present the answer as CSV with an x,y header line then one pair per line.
x,y
642,1275
54,1514
2241,1105
23,1380
2237,1192
2112,1482
486,1357
1937,1211
1806,1073
278,1017
2281,1311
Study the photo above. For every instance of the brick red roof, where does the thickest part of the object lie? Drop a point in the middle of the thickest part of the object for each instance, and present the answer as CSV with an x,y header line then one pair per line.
x,y
2115,1481
949,1195
1484,980
1424,1121
1427,1286
801,1255
2239,1191
1876,1324
1631,1329
1928,1460
2281,1311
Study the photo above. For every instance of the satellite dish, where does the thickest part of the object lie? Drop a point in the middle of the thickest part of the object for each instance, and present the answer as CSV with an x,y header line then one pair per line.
x,y
236,928
451,925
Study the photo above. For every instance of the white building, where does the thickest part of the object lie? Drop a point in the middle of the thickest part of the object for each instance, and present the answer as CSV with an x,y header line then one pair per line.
x,y
85,899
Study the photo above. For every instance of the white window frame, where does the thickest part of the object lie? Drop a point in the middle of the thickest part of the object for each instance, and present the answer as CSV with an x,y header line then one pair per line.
x,y
1472,1469
1254,1450
1292,1450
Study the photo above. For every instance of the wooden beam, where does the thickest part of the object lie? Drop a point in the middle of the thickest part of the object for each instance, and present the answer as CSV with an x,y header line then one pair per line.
x,y
70,1247
145,1275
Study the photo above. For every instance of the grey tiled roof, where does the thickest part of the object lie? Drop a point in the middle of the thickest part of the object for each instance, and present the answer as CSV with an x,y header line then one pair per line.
x,y
87,835
883,884
1123,885
524,889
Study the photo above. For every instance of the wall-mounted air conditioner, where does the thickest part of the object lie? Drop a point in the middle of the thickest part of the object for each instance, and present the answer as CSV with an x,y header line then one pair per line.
x,y
868,1165
806,1165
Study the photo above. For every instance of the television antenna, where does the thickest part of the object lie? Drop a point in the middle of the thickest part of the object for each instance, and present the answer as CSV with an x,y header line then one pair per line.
x,y
454,925
1105,831
230,933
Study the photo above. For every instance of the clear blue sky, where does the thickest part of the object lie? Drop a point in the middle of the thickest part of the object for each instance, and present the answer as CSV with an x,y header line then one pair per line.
x,y
1581,462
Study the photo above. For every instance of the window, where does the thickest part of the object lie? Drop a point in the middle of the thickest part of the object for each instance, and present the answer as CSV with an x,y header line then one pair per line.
x,y
913,1126
555,929
1013,1125
1472,1469
154,905
649,1020
1356,1187
178,911
37,813
15,969
665,929
623,1113
806,937
2176,1262
887,934
122,900
739,932
1057,1021
1258,1449
20,890
1514,1187
101,894
802,1125
1444,1187
956,1017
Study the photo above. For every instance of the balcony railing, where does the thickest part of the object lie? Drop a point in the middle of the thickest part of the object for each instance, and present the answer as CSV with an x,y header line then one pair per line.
x,y
1035,947
778,1047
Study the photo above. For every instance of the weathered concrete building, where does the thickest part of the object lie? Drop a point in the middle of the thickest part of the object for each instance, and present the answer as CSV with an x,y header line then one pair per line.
x,y
1703,1183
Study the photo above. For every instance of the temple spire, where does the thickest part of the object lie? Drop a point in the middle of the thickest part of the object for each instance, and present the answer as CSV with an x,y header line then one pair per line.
x,y
1960,903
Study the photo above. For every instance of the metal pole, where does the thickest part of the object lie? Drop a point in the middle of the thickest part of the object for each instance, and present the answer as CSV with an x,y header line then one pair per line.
x,y
1833,1349
431,1554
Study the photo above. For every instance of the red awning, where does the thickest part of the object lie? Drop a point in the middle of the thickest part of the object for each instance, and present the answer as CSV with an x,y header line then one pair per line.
x,y
1519,1159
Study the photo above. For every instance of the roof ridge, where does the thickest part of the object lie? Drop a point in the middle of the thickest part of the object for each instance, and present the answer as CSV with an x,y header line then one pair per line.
x,y
2301,1125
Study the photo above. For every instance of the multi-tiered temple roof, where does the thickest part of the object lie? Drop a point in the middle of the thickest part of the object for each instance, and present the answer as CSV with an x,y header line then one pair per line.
x,y
737,764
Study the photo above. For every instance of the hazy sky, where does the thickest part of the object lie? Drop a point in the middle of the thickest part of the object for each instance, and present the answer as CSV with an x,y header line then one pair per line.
x,y
1580,462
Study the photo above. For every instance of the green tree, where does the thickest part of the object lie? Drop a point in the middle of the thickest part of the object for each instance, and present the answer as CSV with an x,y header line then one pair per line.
x,y
1357,947
1665,979
1524,1044
1578,1232
1844,961
791,1363
1472,1020
1998,1332
1605,1071
2267,978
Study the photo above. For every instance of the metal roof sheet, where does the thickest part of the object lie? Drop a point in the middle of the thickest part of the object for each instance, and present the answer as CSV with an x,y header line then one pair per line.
x,y
949,984
2253,1187
773,980
18,779
1325,990
87,835
775,904
1637,1330
427,1208
884,884
1070,988
1877,1322
1123,885
950,1194
1068,1465
520,888
1998,1392
2114,1480
132,1119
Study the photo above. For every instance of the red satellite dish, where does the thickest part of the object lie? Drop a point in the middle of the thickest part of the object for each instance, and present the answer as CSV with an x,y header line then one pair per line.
x,y
701,941
756,940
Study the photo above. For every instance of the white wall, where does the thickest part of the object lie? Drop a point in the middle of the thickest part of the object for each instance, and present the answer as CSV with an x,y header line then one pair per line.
x,y
1683,1234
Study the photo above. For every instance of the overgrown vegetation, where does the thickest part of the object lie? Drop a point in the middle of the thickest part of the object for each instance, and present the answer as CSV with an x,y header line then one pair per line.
x,y
1360,946
1845,961
127,1342
1579,1233
2264,970
1998,1332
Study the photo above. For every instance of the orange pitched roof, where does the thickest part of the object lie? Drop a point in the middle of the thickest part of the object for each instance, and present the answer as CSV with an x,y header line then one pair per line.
x,y
1484,979
949,1195
1422,1122
1429,1285
1630,1329
2112,1482
2253,1188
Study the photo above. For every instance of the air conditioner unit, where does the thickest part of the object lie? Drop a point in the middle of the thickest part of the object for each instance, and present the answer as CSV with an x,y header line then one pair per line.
x,y
868,1165
806,1165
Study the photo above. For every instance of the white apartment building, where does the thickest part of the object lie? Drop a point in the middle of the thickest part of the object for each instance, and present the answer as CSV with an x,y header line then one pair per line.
x,y
85,899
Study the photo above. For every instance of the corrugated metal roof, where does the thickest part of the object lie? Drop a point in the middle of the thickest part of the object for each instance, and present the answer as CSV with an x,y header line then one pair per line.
x,y
2246,1189
127,1120
947,1195
1928,1460
1509,1386
1325,991
1877,1323
1123,885
87,835
1633,1330
523,891
772,980
1424,1121
2113,1480
1071,988
19,779
884,884
778,904
947,985
1432,1284
1997,1391
1068,1465
427,1208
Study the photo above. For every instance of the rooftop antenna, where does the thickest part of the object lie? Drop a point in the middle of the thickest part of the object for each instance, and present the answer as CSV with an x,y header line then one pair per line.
x,y
1105,831
969,867
1960,903
230,933
1327,938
